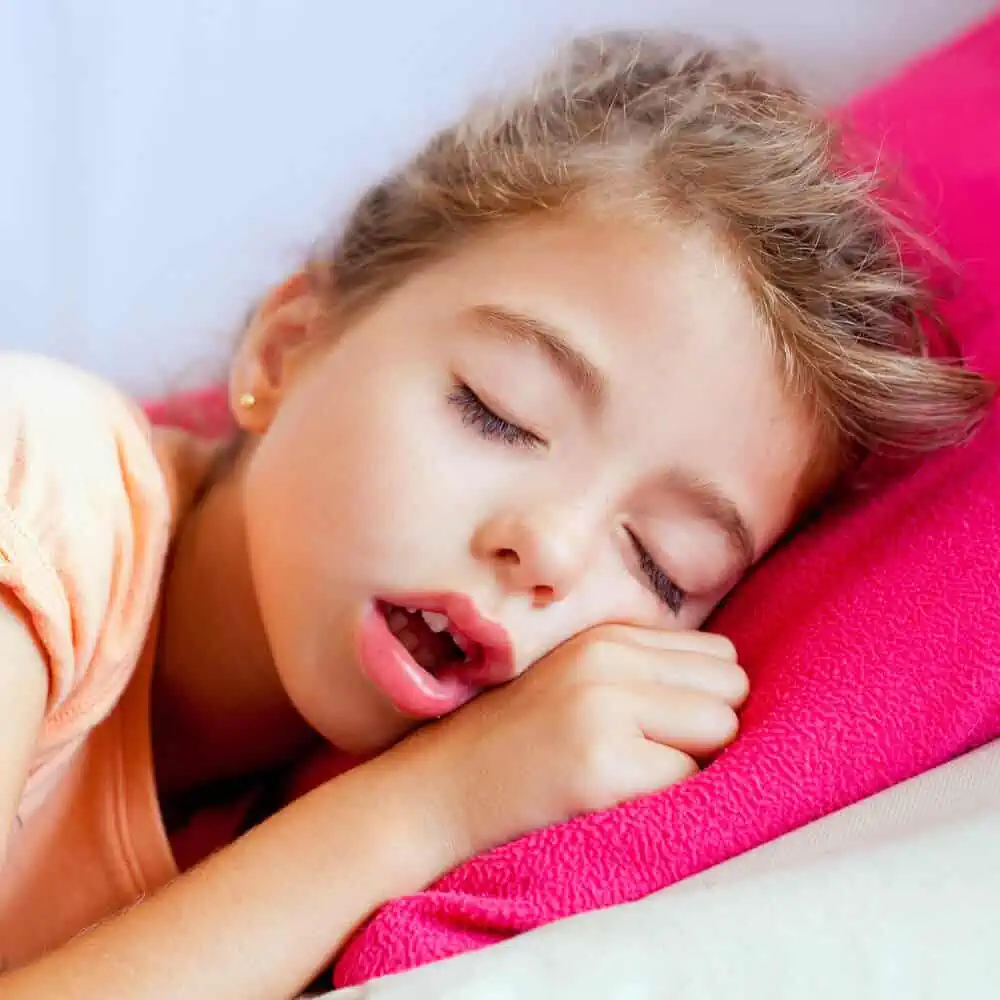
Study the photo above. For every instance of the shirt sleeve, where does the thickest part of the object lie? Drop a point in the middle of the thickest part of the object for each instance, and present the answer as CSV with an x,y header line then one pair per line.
x,y
84,524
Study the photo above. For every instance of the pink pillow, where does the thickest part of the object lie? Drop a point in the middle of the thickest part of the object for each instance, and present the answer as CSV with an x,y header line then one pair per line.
x,y
872,638
203,411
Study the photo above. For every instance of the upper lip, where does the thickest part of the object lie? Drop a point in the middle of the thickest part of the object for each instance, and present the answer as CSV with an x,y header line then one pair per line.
x,y
497,664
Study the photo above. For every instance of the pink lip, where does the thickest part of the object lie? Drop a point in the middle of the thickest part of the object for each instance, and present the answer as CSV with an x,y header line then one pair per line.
x,y
412,689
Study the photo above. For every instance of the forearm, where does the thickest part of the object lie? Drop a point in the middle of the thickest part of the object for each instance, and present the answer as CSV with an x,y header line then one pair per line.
x,y
261,918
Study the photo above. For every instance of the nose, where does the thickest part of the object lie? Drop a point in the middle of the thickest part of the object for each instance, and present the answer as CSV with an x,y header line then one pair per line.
x,y
541,554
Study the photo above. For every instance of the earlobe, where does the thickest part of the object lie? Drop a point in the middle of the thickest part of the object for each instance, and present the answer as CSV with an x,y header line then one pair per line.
x,y
251,413
274,347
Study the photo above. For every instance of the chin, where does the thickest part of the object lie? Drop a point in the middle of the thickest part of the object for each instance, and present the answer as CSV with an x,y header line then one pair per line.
x,y
336,701
367,744
364,731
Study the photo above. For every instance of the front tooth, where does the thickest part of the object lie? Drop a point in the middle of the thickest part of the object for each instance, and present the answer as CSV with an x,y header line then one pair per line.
x,y
411,611
435,622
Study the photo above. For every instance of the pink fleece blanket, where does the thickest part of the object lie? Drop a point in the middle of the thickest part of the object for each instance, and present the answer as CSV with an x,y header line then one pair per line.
x,y
873,639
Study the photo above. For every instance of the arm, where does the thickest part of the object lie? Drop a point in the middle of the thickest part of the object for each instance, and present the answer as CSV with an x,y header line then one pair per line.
x,y
23,689
258,920
261,918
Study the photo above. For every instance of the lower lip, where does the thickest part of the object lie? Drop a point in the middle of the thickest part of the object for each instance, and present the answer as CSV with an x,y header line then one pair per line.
x,y
411,689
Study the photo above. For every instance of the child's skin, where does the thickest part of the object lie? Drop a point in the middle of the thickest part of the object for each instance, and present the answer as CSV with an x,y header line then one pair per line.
x,y
367,477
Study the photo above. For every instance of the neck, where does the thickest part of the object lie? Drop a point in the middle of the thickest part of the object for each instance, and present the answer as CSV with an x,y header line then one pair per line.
x,y
219,710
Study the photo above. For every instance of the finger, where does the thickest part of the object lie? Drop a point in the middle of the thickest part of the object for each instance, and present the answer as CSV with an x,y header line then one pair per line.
x,y
692,723
709,643
654,767
720,679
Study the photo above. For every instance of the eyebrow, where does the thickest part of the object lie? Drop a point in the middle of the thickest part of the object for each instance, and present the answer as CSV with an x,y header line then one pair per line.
x,y
719,508
574,366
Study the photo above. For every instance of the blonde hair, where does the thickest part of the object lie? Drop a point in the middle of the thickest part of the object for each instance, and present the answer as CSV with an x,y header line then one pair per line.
x,y
663,128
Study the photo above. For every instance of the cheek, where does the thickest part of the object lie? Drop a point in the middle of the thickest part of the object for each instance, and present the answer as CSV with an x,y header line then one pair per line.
x,y
374,472
330,470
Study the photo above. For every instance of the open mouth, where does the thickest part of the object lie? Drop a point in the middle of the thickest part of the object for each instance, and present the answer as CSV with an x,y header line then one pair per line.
x,y
430,653
430,637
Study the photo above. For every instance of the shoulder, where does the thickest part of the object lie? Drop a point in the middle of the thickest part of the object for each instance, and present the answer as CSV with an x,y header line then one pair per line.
x,y
44,399
85,519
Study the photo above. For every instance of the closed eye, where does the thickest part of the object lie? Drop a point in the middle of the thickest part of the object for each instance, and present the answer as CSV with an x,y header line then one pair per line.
x,y
489,424
659,581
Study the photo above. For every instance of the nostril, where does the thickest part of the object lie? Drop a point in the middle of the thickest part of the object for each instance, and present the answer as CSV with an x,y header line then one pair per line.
x,y
508,556
543,595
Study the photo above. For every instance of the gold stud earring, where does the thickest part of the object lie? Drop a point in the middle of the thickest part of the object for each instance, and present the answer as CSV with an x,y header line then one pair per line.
x,y
248,400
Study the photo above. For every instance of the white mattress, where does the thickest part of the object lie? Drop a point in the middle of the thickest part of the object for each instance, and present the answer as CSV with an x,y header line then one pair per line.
x,y
162,162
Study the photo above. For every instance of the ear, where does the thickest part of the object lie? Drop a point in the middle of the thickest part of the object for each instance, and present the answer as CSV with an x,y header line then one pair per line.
x,y
275,346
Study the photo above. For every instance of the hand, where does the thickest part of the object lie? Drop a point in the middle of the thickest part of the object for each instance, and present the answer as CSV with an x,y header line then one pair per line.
x,y
614,713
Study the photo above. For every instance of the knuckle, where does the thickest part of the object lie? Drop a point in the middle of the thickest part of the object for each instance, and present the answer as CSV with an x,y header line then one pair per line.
x,y
592,654
720,645
725,724
689,768
670,767
736,683
685,766
610,632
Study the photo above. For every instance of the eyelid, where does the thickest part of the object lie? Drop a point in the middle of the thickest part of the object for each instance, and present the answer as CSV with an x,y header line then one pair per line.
x,y
667,591
502,413
475,411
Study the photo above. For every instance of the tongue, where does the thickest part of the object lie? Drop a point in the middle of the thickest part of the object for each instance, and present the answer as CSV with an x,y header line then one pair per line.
x,y
432,650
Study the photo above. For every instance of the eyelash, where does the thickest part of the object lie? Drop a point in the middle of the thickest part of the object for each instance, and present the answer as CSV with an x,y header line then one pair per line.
x,y
665,588
475,413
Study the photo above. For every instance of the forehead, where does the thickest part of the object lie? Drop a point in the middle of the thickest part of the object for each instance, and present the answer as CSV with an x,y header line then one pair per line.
x,y
645,292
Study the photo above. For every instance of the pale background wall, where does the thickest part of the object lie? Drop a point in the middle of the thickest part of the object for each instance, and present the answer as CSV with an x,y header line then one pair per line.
x,y
162,161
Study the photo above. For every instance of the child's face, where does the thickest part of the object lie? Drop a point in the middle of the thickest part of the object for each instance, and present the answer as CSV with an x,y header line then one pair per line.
x,y
640,452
